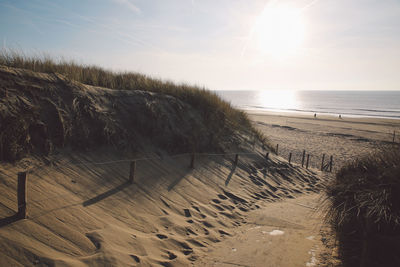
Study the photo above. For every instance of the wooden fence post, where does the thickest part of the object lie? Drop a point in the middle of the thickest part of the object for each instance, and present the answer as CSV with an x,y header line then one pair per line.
x,y
322,163
330,163
132,172
236,159
302,158
290,157
22,185
192,161
308,160
276,151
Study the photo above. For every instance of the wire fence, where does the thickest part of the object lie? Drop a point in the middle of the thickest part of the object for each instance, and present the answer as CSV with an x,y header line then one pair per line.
x,y
42,174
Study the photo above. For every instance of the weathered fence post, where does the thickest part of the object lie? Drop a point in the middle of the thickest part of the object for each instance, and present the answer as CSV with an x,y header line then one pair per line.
x,y
236,159
322,163
302,158
132,172
308,160
276,150
22,185
330,163
192,161
290,157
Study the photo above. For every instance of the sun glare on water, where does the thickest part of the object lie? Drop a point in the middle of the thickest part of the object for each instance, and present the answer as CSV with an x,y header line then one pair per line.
x,y
279,31
277,99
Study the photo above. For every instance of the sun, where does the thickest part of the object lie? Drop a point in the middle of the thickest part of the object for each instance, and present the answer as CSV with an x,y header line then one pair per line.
x,y
279,31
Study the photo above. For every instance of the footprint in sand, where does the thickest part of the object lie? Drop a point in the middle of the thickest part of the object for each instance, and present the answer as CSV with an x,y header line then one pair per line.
x,y
190,231
186,249
216,201
187,213
171,255
196,208
222,232
161,236
222,197
206,232
207,224
136,258
199,212
94,238
243,209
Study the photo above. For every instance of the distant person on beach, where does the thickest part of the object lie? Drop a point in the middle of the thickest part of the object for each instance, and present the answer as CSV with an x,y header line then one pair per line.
x,y
340,116
315,115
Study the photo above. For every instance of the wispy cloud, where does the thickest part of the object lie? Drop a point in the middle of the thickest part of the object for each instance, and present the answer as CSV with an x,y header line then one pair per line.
x,y
129,5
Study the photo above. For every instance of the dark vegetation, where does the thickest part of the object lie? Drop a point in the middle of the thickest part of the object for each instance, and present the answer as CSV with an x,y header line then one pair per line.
x,y
364,209
39,113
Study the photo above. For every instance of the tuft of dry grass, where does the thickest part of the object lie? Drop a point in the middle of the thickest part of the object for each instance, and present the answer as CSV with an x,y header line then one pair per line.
x,y
363,208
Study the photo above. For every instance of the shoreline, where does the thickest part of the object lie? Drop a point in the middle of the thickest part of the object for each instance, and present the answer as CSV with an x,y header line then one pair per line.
x,y
319,114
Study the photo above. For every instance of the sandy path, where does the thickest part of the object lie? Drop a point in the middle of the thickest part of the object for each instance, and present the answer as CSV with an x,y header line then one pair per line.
x,y
285,233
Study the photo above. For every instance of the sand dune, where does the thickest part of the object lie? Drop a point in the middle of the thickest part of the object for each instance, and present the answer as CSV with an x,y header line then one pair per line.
x,y
258,213
82,211
82,214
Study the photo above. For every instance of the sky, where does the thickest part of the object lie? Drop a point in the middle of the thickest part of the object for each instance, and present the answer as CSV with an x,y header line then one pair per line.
x,y
219,44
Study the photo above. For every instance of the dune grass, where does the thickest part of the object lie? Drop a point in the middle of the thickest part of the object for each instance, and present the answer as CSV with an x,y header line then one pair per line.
x,y
364,209
219,114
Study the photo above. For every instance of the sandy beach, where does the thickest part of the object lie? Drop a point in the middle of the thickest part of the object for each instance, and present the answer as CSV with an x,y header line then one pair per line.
x,y
343,138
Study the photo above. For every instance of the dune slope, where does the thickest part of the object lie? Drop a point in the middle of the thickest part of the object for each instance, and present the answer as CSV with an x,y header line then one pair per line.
x,y
77,142
85,214
42,112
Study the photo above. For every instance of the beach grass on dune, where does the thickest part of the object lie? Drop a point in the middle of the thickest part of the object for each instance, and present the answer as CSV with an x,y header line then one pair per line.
x,y
218,113
363,204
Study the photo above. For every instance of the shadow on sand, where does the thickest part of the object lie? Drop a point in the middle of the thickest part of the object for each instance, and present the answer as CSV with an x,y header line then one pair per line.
x,y
105,194
230,175
9,219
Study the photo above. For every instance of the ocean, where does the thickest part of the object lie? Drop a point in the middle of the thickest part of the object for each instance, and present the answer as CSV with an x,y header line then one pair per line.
x,y
382,104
